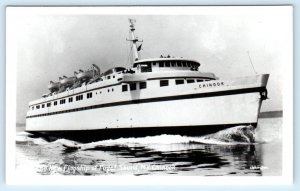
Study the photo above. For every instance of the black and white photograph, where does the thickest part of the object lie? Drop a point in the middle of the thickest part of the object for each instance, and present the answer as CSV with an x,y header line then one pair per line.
x,y
139,92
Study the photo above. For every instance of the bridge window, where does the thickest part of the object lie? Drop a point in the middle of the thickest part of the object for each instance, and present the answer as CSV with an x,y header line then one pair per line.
x,y
164,83
124,88
184,64
179,64
189,64
190,81
143,85
70,99
89,95
177,82
173,64
132,87
161,64
48,104
167,64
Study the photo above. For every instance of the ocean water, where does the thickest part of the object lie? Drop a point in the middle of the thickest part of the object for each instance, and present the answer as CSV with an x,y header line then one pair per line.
x,y
237,151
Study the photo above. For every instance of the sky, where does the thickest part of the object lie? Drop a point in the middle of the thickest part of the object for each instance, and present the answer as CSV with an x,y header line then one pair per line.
x,y
50,46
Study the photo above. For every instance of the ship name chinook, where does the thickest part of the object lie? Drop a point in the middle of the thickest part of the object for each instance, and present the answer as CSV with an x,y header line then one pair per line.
x,y
214,84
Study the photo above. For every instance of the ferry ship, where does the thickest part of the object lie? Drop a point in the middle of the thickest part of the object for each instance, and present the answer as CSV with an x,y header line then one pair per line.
x,y
163,95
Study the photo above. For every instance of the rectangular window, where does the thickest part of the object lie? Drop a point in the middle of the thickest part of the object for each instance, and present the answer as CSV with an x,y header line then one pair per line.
x,y
177,82
161,64
55,103
32,108
89,95
143,85
43,105
190,81
38,107
173,64
199,80
164,83
79,97
132,87
184,64
108,77
179,64
188,64
70,99
124,88
167,64
48,104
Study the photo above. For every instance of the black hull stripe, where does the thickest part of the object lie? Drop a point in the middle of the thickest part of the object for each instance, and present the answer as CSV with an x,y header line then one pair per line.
x,y
113,133
158,99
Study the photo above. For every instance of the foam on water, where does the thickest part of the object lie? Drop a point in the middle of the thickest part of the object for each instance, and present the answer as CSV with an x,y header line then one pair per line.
x,y
231,136
22,137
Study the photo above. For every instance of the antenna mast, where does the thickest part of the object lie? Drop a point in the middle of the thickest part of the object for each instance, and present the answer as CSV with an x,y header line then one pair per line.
x,y
134,39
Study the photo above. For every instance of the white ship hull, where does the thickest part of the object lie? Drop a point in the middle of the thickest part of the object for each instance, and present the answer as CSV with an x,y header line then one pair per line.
x,y
216,110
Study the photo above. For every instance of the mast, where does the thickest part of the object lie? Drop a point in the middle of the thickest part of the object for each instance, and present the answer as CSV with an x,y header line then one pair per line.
x,y
134,40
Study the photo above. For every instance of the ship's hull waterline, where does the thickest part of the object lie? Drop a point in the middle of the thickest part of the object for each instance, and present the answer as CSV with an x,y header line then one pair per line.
x,y
193,114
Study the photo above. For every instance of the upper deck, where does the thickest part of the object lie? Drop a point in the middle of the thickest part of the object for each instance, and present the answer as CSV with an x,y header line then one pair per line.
x,y
148,69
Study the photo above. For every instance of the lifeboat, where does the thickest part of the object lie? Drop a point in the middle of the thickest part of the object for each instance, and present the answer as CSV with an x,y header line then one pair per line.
x,y
87,75
53,86
114,70
67,81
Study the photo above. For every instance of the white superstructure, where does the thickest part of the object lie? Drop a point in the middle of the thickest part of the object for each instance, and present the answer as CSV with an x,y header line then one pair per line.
x,y
155,93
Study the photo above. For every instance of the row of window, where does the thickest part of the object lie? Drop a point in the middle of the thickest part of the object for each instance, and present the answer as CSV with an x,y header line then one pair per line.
x,y
176,64
62,101
132,87
79,97
89,95
142,85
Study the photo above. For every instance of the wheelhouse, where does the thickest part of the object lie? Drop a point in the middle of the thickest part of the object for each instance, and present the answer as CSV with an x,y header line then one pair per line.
x,y
149,65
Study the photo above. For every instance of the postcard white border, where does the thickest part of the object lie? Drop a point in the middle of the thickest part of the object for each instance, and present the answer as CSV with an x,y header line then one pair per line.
x,y
11,48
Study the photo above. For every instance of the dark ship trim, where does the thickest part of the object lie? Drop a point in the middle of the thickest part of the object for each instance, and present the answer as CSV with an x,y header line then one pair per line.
x,y
86,136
